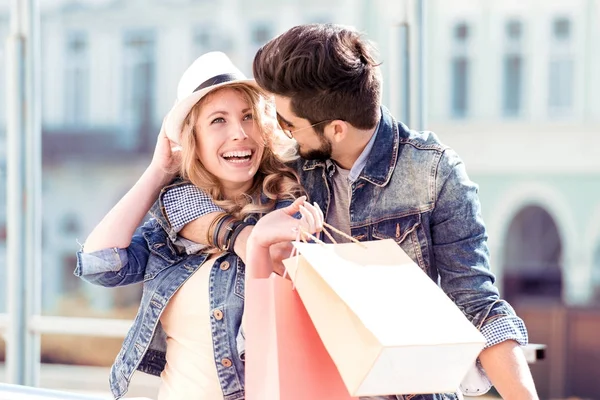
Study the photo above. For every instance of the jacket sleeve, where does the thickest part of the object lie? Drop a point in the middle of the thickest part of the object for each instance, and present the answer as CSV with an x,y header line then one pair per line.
x,y
116,267
462,257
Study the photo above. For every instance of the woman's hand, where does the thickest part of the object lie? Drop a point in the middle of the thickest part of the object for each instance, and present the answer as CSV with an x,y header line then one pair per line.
x,y
276,227
280,225
167,154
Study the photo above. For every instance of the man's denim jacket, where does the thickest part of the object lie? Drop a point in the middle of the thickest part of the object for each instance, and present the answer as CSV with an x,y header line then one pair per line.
x,y
415,190
152,258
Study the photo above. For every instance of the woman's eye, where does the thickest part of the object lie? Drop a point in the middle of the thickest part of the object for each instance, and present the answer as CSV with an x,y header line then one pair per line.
x,y
248,117
218,120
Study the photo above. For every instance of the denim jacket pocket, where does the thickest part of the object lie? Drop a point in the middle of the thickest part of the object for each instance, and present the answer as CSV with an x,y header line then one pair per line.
x,y
404,231
162,252
154,267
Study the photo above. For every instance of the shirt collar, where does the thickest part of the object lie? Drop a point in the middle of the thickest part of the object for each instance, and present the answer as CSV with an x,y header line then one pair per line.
x,y
361,161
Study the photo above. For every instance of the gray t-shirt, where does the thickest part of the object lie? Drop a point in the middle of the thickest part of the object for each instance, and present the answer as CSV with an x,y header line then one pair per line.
x,y
338,215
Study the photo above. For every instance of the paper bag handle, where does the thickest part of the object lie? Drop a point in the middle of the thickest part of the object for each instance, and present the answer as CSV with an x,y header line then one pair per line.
x,y
344,234
326,225
303,233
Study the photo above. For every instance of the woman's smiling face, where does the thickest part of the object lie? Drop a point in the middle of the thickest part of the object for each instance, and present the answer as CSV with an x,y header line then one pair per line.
x,y
229,142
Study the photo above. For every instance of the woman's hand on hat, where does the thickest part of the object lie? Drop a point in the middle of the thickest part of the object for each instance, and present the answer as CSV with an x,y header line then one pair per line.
x,y
167,154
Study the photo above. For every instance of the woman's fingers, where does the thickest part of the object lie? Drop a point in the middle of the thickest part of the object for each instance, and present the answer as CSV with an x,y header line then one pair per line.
x,y
295,206
308,219
312,218
320,213
317,216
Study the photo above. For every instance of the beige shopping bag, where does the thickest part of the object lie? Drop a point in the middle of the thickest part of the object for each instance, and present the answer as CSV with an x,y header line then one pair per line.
x,y
387,326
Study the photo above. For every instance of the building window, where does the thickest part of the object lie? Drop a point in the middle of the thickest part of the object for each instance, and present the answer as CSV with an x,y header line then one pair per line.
x,y
461,32
203,40
460,70
71,224
139,86
460,76
513,67
561,84
512,82
514,30
208,38
560,68
77,77
561,29
260,34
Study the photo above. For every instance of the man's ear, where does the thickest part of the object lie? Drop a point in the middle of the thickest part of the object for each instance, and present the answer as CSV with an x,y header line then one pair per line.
x,y
339,130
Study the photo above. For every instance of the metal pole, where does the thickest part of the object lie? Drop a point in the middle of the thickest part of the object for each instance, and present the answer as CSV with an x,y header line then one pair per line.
x,y
15,201
33,241
24,194
422,65
406,72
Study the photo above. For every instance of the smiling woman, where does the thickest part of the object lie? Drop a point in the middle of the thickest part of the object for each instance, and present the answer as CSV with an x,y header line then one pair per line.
x,y
189,326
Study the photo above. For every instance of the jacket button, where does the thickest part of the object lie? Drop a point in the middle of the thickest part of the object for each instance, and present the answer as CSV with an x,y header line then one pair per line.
x,y
218,314
226,362
224,265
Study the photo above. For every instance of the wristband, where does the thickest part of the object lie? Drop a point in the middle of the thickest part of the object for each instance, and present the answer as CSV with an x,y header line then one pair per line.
x,y
236,231
211,234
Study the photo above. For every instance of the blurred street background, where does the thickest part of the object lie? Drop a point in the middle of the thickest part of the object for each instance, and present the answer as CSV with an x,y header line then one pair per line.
x,y
512,85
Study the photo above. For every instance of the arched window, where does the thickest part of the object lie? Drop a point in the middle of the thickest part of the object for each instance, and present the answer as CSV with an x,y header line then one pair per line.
x,y
532,256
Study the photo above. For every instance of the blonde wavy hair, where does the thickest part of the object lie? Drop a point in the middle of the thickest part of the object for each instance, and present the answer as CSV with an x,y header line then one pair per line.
x,y
274,179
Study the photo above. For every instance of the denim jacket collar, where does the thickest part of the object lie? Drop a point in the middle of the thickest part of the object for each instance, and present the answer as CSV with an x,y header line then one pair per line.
x,y
382,160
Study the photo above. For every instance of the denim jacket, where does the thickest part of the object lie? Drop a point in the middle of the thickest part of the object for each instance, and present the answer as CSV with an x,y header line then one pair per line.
x,y
152,258
415,190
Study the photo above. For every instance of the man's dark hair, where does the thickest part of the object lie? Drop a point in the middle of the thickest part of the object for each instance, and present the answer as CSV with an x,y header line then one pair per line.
x,y
328,72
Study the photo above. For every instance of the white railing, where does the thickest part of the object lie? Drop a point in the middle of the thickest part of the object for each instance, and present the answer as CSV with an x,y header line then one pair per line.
x,y
31,393
115,328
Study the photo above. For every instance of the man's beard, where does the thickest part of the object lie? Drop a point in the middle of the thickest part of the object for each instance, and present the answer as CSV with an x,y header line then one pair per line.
x,y
322,153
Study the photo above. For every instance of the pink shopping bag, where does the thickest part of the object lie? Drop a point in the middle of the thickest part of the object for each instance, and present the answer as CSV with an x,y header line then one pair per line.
x,y
285,358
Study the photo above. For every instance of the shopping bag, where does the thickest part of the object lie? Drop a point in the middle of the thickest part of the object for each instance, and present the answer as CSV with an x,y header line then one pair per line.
x,y
387,326
285,358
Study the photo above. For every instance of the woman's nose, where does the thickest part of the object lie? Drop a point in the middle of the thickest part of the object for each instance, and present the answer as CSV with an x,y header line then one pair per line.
x,y
239,133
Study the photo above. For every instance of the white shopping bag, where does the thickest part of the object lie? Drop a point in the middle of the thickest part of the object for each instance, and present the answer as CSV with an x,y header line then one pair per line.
x,y
387,326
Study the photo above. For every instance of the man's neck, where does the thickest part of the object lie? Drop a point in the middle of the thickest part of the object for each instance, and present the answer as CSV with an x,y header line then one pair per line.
x,y
352,147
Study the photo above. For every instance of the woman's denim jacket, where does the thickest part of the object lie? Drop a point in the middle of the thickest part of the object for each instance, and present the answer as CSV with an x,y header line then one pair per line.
x,y
152,258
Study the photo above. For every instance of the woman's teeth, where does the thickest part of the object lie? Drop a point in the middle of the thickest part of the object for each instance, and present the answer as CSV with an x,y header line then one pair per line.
x,y
237,156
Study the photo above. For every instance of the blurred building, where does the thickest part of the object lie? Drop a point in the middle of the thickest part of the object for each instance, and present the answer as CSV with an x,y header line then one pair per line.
x,y
512,85
109,74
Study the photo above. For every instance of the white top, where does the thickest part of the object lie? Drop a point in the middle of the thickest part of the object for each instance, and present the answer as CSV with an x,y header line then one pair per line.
x,y
190,372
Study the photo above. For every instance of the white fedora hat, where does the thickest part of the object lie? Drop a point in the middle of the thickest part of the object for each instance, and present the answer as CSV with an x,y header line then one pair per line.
x,y
209,72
